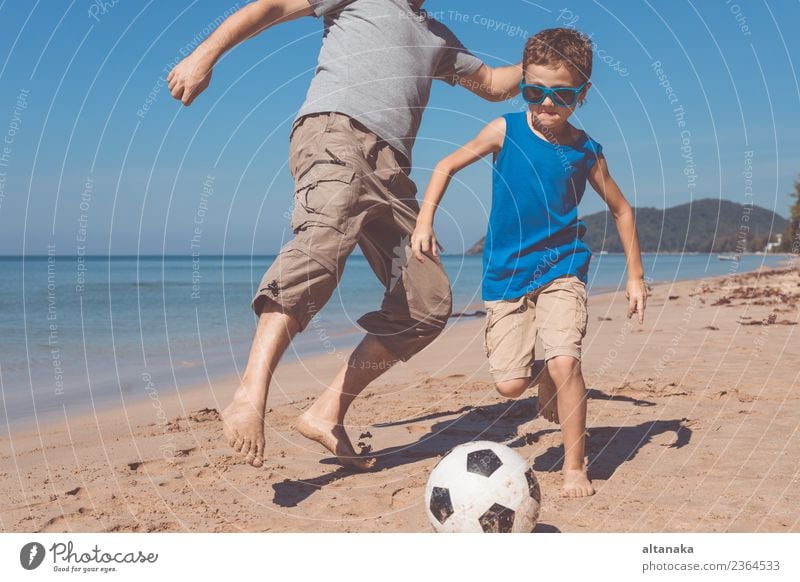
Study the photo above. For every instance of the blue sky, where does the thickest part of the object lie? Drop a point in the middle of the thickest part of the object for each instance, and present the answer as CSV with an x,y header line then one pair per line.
x,y
74,78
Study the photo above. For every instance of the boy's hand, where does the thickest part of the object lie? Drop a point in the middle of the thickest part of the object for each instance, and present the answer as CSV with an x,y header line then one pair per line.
x,y
637,298
190,77
423,240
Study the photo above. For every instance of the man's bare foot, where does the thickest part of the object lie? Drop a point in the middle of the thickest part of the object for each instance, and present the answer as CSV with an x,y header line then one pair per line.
x,y
576,483
546,403
334,438
243,426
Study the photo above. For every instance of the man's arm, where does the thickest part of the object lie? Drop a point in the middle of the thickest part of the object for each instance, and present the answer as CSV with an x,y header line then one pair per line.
x,y
494,83
192,75
489,140
609,191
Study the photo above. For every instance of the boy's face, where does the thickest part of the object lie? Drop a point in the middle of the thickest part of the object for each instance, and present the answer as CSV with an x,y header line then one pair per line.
x,y
547,113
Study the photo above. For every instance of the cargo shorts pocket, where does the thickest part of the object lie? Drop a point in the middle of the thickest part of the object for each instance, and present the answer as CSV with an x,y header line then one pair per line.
x,y
324,195
496,311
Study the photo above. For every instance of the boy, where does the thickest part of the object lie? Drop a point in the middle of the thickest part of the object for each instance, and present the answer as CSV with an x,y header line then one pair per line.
x,y
535,261
350,155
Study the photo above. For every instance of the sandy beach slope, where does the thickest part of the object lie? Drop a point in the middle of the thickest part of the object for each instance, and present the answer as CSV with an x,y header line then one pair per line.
x,y
693,422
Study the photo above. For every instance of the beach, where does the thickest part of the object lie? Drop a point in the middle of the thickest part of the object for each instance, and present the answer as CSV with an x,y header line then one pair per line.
x,y
693,426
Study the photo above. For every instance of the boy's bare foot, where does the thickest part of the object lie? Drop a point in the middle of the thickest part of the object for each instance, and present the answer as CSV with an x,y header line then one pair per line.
x,y
334,438
243,426
576,483
546,403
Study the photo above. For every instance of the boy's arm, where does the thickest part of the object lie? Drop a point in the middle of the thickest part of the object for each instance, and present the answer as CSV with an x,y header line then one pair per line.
x,y
192,75
494,83
607,188
489,140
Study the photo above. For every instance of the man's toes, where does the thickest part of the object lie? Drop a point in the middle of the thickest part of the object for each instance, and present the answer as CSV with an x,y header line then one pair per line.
x,y
237,445
363,464
245,450
255,455
258,454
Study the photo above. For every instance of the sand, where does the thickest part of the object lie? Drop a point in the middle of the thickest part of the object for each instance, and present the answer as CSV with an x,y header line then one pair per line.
x,y
693,423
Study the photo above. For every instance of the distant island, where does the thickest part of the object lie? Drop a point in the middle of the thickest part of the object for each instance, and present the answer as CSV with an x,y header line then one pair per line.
x,y
703,226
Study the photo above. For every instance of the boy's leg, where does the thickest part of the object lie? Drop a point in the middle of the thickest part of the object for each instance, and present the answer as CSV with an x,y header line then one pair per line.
x,y
509,339
415,309
547,395
561,321
510,336
566,374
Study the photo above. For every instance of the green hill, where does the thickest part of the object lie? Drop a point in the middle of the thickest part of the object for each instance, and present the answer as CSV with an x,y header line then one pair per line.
x,y
702,226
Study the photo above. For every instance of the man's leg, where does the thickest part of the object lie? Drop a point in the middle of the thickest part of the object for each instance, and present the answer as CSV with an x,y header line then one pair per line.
x,y
415,309
243,419
324,421
304,274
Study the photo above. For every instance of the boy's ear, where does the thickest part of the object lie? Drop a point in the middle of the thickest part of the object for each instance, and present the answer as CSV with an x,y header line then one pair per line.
x,y
582,96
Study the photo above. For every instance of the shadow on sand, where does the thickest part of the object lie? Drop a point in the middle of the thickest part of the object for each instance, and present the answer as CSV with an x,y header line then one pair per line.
x,y
608,447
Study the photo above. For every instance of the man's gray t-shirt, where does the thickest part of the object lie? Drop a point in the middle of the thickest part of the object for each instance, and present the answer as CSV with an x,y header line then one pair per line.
x,y
377,63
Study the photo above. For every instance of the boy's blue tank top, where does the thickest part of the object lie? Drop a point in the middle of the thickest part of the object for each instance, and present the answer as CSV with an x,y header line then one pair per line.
x,y
534,233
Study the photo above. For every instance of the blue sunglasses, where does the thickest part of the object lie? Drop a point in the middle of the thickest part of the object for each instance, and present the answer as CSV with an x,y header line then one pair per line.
x,y
561,96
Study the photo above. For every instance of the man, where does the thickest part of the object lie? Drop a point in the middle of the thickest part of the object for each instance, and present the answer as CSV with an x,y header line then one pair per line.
x,y
350,156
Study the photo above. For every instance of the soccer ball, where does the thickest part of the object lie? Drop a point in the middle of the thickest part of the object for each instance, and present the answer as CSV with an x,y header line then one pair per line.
x,y
482,487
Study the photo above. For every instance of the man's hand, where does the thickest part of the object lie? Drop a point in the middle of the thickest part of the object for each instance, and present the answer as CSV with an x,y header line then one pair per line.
x,y
423,240
637,298
190,77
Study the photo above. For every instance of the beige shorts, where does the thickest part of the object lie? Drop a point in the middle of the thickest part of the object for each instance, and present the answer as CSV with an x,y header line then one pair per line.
x,y
554,316
353,189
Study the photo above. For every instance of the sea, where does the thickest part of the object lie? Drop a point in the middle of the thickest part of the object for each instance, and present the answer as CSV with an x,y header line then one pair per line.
x,y
77,332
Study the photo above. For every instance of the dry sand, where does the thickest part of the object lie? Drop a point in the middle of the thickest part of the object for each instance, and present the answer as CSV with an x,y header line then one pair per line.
x,y
693,422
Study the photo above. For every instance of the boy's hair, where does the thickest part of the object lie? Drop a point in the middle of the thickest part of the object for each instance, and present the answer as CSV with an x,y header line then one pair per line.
x,y
560,46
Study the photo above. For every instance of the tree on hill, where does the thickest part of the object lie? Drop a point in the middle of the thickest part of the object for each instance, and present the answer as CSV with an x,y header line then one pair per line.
x,y
791,240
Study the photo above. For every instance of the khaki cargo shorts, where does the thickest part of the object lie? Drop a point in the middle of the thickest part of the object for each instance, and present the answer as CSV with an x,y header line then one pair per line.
x,y
553,317
352,188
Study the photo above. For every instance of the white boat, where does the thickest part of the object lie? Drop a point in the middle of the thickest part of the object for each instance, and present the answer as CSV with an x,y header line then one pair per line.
x,y
729,257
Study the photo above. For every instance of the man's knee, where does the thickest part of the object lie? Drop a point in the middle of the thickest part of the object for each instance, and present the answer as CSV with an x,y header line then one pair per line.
x,y
426,294
512,388
443,310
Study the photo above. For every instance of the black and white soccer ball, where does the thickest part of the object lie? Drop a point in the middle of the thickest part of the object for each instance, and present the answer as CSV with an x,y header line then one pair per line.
x,y
482,487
